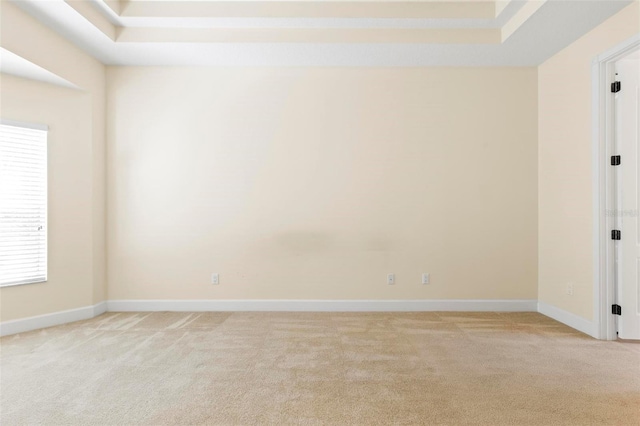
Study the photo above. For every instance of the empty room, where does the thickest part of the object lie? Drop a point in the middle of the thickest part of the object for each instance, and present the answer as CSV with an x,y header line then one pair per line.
x,y
308,212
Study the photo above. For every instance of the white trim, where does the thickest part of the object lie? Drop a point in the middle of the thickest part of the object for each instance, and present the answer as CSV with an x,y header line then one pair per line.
x,y
32,126
603,278
323,305
49,320
560,15
99,308
567,318
619,50
12,64
24,282
88,312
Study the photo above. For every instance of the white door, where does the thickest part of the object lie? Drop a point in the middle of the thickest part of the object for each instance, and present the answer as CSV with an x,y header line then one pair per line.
x,y
627,116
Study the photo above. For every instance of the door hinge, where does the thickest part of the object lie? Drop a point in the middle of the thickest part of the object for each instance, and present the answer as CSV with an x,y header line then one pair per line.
x,y
616,310
615,160
615,234
615,87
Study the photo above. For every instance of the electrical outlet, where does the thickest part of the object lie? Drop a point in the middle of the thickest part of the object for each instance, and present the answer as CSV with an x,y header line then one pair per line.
x,y
215,278
570,289
391,279
426,278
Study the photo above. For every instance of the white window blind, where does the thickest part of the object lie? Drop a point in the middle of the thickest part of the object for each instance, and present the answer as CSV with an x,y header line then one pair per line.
x,y
23,204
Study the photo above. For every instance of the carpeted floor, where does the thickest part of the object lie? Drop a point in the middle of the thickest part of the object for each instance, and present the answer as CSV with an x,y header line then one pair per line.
x,y
318,368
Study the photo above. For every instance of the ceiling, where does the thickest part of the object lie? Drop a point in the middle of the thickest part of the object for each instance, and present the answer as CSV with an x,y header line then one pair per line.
x,y
322,32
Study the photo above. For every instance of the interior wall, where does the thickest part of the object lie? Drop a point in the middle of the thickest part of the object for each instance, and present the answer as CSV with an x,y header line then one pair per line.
x,y
565,165
76,119
67,112
315,183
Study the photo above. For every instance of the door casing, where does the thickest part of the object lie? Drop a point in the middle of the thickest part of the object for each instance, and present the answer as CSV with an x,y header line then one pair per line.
x,y
602,75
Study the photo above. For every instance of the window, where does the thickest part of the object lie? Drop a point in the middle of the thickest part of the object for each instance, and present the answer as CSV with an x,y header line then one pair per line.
x,y
23,203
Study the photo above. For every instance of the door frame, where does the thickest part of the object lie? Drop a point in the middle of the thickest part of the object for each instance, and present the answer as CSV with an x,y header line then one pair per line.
x,y
602,73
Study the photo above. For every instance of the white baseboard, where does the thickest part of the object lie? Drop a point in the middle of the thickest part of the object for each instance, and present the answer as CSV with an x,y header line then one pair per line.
x,y
49,320
322,305
87,312
99,308
567,318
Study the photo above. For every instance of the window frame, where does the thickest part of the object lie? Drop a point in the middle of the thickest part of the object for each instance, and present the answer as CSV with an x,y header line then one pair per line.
x,y
44,128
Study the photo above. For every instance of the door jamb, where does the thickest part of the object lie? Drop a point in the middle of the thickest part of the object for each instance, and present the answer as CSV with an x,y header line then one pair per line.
x,y
603,207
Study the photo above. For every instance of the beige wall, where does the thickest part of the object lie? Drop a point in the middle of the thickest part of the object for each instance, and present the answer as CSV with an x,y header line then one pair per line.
x,y
565,168
77,258
298,183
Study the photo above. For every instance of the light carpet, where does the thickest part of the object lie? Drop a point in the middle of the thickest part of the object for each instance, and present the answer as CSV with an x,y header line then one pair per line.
x,y
250,368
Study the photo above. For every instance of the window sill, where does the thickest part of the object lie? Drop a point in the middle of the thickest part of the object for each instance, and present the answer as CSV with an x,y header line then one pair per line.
x,y
25,282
